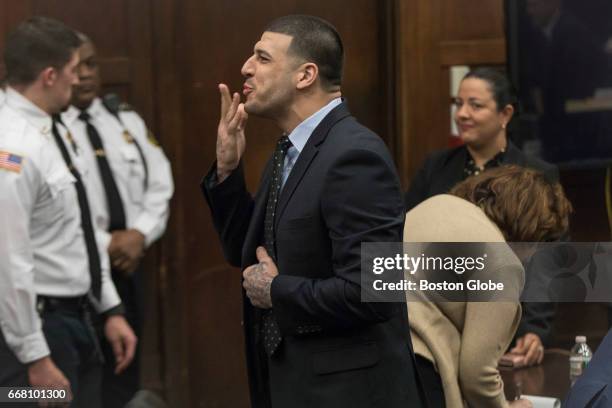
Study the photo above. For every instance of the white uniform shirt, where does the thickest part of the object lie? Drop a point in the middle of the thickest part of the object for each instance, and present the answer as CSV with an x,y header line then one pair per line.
x,y
46,253
2,97
146,210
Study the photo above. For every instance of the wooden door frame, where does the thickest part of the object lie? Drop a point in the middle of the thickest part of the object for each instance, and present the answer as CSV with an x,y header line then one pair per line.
x,y
423,62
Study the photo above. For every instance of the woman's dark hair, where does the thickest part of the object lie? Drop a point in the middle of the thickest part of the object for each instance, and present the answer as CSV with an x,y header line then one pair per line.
x,y
500,86
520,201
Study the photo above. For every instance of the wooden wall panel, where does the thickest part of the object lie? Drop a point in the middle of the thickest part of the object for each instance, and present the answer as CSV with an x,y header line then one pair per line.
x,y
472,52
107,21
175,263
470,20
421,83
120,29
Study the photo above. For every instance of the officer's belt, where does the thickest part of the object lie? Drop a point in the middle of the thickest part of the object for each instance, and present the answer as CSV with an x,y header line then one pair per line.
x,y
66,304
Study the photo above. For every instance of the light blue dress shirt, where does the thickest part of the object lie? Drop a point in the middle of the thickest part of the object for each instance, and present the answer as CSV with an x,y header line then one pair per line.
x,y
300,135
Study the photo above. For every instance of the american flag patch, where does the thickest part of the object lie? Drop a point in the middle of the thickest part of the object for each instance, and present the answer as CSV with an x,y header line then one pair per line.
x,y
10,161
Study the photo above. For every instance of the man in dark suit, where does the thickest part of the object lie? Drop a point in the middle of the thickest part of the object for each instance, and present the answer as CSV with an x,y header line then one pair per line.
x,y
330,185
440,172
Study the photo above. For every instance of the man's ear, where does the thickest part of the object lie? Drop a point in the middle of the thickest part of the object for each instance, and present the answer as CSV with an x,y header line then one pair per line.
x,y
307,75
48,76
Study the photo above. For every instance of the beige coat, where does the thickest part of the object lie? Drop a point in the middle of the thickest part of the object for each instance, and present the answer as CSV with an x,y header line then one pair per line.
x,y
465,340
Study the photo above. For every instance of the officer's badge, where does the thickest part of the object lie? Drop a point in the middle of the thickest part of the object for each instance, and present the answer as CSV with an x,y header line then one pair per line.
x,y
128,136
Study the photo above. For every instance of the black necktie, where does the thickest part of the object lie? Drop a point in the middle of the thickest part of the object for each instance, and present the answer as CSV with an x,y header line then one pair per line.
x,y
113,198
271,333
95,269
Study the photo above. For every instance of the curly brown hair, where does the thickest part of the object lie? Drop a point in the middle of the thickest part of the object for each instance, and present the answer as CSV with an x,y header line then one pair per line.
x,y
525,206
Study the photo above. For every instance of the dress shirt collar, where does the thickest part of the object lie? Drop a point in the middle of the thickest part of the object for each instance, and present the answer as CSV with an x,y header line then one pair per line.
x,y
300,135
32,113
72,113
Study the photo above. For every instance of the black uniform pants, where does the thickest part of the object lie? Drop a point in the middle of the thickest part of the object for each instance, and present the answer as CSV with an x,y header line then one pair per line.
x,y
118,390
74,350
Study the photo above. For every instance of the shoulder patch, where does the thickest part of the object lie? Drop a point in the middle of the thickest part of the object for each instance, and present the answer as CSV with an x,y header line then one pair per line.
x,y
10,161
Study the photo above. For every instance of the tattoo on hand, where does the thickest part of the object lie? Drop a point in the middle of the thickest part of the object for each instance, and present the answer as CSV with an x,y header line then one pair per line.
x,y
258,284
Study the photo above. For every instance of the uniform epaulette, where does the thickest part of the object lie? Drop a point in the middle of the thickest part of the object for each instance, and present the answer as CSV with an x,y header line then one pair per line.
x,y
152,139
113,103
125,107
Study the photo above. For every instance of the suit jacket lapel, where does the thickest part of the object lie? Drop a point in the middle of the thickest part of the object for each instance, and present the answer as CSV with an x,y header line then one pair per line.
x,y
307,155
256,225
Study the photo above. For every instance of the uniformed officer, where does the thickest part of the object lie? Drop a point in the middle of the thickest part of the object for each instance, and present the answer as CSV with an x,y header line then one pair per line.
x,y
51,270
132,180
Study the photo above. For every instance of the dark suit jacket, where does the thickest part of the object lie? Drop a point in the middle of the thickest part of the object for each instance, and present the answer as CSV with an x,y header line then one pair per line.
x,y
336,351
442,171
593,389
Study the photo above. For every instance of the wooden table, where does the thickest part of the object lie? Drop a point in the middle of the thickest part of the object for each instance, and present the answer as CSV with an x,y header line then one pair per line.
x,y
549,379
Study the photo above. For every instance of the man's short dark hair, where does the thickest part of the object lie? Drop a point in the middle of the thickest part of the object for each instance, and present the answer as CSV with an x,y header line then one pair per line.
x,y
37,43
314,40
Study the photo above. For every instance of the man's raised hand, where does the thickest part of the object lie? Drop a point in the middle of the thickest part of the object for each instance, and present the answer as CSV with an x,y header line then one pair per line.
x,y
230,133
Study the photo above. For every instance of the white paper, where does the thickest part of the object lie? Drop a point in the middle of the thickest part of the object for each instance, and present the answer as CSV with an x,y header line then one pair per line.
x,y
542,402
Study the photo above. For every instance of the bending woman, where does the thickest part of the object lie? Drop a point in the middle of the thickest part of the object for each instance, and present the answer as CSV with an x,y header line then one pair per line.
x,y
458,344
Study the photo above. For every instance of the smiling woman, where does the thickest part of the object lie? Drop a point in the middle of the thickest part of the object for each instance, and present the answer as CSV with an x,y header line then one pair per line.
x,y
484,107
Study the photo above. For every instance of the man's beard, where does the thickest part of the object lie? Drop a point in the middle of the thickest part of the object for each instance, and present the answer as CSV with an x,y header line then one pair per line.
x,y
269,109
